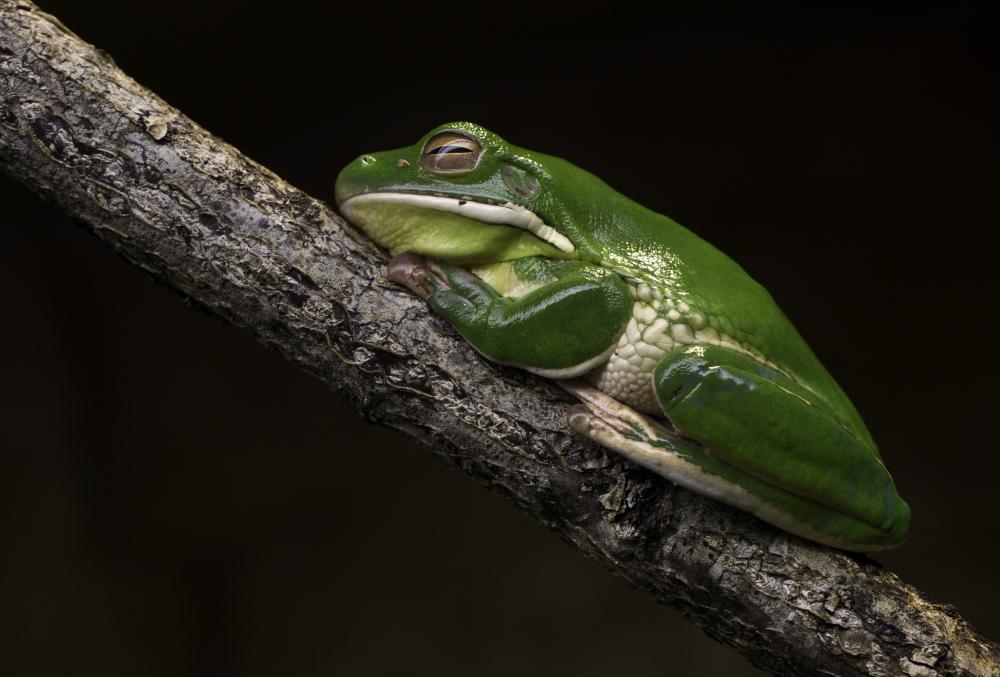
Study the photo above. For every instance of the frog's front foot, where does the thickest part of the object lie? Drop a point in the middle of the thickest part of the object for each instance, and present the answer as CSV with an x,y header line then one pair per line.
x,y
425,276
413,271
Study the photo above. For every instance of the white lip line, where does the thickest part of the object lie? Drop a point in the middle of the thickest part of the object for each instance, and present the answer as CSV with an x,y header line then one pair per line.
x,y
506,214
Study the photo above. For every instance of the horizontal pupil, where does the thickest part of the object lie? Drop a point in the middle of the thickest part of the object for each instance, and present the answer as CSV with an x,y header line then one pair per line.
x,y
441,150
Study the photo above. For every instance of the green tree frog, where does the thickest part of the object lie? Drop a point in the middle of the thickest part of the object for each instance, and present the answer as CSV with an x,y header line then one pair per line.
x,y
682,362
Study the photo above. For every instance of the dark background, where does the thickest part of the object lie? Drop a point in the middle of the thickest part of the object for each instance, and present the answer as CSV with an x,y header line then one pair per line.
x,y
175,499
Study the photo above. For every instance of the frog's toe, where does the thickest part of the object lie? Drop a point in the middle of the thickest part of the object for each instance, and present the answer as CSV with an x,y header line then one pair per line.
x,y
620,428
611,412
421,275
411,271
608,432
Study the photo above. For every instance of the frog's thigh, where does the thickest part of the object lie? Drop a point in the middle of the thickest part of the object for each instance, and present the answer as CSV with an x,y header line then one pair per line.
x,y
761,423
649,444
559,330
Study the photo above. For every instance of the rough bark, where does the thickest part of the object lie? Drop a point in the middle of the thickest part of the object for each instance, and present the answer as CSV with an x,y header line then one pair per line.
x,y
237,240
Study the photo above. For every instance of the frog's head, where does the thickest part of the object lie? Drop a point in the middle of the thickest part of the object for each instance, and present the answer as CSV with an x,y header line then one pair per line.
x,y
464,195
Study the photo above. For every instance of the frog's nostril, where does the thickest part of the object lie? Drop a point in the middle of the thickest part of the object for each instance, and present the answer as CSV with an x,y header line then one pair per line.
x,y
367,160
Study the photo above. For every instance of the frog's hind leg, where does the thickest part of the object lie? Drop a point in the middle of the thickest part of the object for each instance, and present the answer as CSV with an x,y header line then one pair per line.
x,y
666,452
650,444
760,422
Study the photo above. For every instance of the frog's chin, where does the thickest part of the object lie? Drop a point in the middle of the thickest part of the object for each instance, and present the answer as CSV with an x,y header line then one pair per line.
x,y
457,230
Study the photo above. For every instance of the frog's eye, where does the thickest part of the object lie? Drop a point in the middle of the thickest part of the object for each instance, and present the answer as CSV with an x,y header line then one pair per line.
x,y
450,152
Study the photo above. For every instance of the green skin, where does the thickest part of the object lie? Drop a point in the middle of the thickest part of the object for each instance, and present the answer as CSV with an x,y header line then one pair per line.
x,y
754,417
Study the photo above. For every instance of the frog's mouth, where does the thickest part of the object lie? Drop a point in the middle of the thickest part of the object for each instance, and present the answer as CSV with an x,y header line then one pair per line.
x,y
461,231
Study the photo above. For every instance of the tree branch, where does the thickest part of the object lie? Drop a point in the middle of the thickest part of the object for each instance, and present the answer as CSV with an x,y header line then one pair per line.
x,y
237,240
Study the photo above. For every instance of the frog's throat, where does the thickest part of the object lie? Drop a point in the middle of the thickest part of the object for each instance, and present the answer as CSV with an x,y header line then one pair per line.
x,y
505,214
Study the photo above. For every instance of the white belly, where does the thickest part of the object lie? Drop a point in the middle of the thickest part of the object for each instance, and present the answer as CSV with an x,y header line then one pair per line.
x,y
658,325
